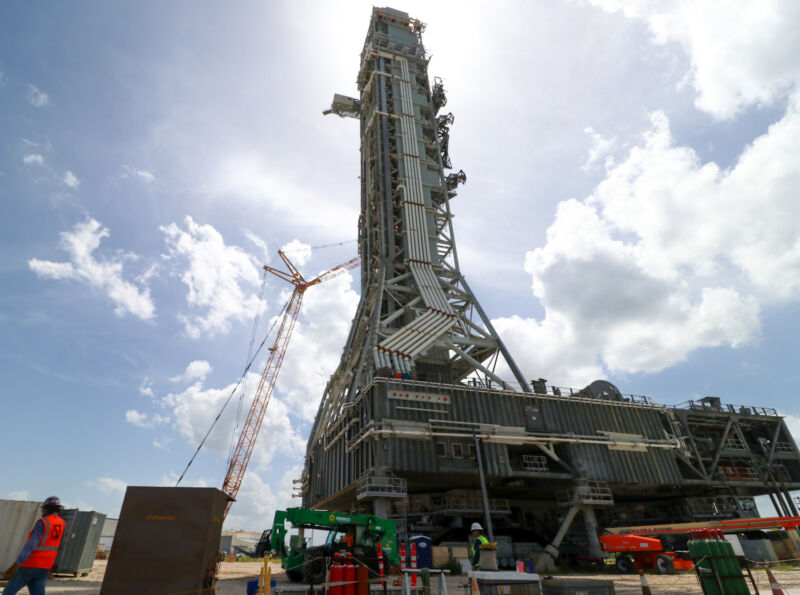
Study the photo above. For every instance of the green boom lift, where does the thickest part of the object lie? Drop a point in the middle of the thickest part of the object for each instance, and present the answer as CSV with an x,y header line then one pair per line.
x,y
307,563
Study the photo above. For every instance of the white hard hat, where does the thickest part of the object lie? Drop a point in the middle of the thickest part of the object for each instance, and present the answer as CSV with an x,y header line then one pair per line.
x,y
476,527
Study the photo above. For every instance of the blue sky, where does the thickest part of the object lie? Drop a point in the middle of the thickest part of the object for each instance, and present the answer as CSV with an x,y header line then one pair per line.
x,y
630,213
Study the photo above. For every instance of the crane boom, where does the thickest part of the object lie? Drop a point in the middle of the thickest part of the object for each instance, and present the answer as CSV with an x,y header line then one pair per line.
x,y
255,416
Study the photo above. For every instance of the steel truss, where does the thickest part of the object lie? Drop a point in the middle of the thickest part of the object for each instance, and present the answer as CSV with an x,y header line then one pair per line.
x,y
417,317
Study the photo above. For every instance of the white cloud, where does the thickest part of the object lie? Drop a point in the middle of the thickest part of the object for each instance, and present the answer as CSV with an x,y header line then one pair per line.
x,y
214,275
143,420
251,177
666,256
108,485
2,79
742,55
297,252
196,370
258,500
142,174
170,479
146,387
37,98
106,276
262,245
70,180
137,419
162,443
19,495
33,159
793,424
196,407
601,149
316,344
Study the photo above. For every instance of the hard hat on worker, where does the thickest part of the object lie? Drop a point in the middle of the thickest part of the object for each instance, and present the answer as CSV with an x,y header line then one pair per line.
x,y
51,501
476,527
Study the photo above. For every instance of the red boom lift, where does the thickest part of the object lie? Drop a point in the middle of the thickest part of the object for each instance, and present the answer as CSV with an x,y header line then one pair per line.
x,y
642,553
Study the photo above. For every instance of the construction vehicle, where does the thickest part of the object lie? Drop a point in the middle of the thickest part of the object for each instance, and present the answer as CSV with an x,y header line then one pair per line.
x,y
358,534
635,552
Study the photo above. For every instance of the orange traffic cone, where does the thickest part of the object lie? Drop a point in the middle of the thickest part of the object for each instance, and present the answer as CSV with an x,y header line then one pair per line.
x,y
645,587
475,589
773,584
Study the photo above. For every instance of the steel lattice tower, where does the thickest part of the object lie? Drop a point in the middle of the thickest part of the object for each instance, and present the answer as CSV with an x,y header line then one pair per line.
x,y
417,317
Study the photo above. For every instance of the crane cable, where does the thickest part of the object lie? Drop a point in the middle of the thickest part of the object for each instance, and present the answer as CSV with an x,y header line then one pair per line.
x,y
320,246
238,382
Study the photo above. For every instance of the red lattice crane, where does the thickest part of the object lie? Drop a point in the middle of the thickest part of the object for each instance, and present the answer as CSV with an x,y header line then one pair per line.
x,y
252,424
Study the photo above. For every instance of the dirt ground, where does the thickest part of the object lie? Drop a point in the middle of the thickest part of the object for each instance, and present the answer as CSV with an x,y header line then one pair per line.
x,y
235,575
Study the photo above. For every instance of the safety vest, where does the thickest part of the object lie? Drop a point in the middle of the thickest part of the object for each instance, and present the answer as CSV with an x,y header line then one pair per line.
x,y
45,552
480,539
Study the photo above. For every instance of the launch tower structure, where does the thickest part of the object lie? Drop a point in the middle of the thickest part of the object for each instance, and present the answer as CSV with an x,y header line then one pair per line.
x,y
417,317
416,423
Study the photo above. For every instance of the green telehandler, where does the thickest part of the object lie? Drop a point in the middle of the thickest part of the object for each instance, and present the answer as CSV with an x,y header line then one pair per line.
x,y
355,533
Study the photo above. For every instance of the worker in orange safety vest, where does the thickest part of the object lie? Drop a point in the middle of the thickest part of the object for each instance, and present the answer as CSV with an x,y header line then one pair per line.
x,y
349,538
38,555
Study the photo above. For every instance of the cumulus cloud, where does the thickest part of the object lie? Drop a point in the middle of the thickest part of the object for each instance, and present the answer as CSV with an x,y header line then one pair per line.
x,y
196,370
103,275
261,244
70,180
216,276
36,97
601,150
142,174
195,408
670,254
667,255
258,499
143,420
19,495
298,252
162,443
146,387
33,159
793,424
740,56
316,344
135,418
108,485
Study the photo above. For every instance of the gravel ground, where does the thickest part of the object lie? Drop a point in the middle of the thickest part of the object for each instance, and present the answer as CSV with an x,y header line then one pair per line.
x,y
235,575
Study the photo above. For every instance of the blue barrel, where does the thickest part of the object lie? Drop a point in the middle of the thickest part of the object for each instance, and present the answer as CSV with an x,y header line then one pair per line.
x,y
252,586
424,551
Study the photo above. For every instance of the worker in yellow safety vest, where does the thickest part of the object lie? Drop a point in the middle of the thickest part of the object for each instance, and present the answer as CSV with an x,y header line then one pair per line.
x,y
478,539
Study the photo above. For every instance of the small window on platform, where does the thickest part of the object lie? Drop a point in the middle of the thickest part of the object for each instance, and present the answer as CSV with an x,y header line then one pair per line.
x,y
441,449
473,454
458,451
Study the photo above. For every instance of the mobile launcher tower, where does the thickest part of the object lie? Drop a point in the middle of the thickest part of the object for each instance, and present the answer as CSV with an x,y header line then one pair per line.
x,y
415,424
